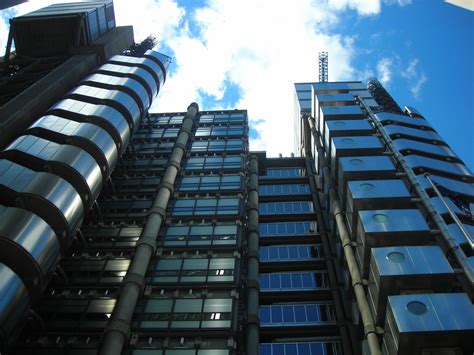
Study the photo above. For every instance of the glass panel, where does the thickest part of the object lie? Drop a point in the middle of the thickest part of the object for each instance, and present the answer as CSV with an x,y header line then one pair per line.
x,y
188,306
159,306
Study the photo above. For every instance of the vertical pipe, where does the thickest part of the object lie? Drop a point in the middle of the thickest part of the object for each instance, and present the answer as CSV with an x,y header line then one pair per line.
x,y
253,287
336,295
357,284
117,330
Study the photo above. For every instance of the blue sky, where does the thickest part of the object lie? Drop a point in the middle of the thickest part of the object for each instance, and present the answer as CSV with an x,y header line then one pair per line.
x,y
247,54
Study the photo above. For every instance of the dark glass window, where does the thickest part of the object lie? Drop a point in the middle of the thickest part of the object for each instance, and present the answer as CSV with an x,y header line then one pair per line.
x,y
186,313
230,145
284,189
285,229
197,235
294,281
297,314
194,270
156,133
291,207
210,183
165,120
233,118
283,173
206,207
214,163
301,348
285,253
220,131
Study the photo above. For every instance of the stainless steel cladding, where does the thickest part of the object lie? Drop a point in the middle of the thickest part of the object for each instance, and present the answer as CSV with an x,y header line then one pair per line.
x,y
53,173
353,146
148,64
139,74
391,118
458,236
383,228
162,60
29,247
52,198
346,128
67,161
128,85
104,116
455,186
372,195
363,168
427,322
408,146
14,305
406,269
421,164
395,131
117,99
93,139
332,113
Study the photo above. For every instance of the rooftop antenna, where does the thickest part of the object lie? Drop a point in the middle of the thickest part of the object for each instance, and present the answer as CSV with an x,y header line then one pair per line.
x,y
323,67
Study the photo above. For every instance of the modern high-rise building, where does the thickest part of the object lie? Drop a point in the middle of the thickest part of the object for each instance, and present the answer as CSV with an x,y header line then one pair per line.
x,y
129,232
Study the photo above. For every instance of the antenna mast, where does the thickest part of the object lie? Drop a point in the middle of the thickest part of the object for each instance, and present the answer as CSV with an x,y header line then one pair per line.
x,y
323,67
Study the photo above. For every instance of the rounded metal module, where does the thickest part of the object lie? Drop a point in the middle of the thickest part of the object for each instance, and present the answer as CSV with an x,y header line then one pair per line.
x,y
67,161
14,305
87,136
101,115
119,100
139,74
149,65
50,197
29,247
162,60
128,85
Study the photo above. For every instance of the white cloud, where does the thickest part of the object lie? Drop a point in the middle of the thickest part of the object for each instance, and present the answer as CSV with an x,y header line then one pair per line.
x,y
261,46
363,7
415,77
398,2
415,88
384,70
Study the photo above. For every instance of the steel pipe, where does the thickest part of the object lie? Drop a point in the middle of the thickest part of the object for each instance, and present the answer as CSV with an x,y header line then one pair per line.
x,y
368,322
117,330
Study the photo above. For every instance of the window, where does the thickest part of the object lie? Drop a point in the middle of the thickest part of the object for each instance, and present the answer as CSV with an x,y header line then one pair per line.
x,y
285,253
301,348
287,189
155,133
194,270
214,163
145,165
201,235
220,131
186,313
210,183
206,207
286,229
164,120
293,207
233,118
230,145
297,314
283,173
153,148
294,281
